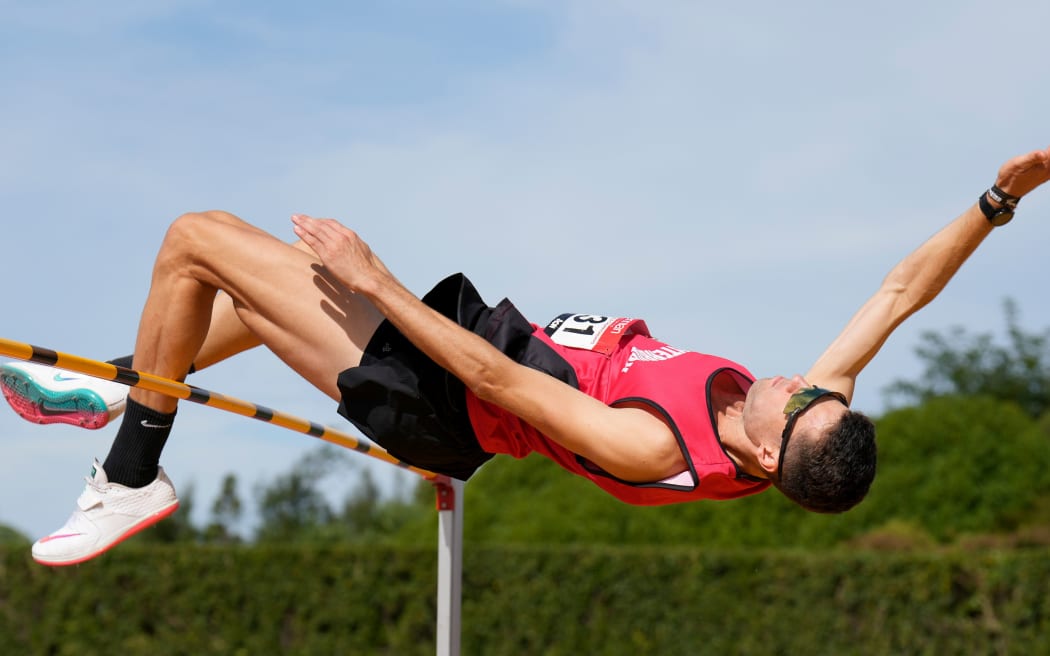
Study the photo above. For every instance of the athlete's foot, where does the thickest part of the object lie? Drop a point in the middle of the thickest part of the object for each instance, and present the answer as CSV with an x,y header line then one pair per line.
x,y
47,395
106,514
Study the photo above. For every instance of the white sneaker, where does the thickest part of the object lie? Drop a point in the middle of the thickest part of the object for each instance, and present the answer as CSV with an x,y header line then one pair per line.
x,y
47,395
106,514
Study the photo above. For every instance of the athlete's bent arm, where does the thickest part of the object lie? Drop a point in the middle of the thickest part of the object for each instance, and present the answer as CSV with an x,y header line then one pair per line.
x,y
628,443
918,279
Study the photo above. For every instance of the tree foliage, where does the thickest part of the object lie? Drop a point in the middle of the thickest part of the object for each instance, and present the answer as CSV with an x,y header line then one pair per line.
x,y
9,536
958,465
959,362
293,506
226,512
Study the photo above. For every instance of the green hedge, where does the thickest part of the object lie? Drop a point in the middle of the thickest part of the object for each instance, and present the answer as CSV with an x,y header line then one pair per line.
x,y
304,600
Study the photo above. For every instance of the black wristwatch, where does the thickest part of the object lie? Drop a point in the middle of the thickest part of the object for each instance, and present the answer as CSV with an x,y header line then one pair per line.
x,y
1001,215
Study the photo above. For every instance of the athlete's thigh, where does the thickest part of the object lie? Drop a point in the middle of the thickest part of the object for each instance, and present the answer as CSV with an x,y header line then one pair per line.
x,y
284,296
227,334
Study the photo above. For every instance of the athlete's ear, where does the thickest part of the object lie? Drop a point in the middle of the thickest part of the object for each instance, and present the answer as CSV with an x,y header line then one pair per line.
x,y
768,459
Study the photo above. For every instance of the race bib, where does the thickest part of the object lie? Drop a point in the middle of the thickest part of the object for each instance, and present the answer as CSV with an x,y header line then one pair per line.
x,y
592,332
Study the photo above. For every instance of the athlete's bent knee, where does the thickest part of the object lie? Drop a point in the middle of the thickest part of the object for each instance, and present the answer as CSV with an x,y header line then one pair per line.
x,y
193,228
188,238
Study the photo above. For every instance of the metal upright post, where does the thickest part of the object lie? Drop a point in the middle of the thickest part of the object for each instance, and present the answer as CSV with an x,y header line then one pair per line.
x,y
450,563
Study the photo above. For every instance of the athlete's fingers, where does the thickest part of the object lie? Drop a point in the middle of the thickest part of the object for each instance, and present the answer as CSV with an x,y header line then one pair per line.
x,y
337,241
339,248
317,231
302,230
325,230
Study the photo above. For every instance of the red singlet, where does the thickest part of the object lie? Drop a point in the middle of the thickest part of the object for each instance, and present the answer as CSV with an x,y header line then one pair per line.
x,y
616,361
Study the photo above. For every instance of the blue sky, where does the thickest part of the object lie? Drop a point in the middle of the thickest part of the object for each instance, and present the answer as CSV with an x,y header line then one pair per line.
x,y
741,175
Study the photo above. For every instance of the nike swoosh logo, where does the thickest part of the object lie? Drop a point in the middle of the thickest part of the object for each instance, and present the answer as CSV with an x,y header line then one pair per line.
x,y
145,424
59,537
59,378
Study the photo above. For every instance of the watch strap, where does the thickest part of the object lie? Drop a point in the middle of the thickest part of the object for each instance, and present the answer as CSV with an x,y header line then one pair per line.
x,y
997,216
1003,198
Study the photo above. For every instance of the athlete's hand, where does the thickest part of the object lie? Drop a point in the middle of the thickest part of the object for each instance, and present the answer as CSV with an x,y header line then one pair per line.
x,y
342,251
1024,173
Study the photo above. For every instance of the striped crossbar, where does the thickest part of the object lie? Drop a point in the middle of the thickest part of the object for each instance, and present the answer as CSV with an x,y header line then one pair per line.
x,y
166,386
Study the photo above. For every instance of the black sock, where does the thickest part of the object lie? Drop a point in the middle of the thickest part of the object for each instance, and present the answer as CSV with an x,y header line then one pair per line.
x,y
135,455
125,361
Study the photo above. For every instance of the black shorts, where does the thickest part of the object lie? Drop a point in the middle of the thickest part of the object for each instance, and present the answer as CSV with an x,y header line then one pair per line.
x,y
402,400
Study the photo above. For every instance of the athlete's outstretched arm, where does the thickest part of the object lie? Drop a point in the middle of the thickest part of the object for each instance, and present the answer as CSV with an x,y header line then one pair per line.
x,y
626,442
918,279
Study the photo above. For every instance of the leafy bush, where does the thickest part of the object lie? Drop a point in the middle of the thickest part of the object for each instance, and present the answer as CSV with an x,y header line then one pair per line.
x,y
165,599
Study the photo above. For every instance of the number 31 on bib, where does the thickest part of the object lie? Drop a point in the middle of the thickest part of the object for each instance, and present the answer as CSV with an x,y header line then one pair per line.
x,y
592,332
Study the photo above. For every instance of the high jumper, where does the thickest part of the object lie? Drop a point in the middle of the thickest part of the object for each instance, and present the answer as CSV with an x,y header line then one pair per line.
x,y
447,381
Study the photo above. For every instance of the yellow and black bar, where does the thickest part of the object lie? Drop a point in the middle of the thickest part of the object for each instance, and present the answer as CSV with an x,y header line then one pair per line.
x,y
132,378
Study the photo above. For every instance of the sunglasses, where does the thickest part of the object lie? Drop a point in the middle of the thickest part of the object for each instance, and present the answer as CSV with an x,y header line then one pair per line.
x,y
799,402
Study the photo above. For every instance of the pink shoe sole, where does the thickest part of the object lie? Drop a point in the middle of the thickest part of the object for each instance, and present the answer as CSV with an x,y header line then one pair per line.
x,y
33,403
141,526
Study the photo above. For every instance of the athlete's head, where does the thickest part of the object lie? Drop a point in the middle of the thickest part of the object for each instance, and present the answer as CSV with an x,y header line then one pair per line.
x,y
830,473
825,457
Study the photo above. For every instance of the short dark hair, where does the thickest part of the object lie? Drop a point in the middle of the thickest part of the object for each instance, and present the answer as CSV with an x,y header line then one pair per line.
x,y
832,474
